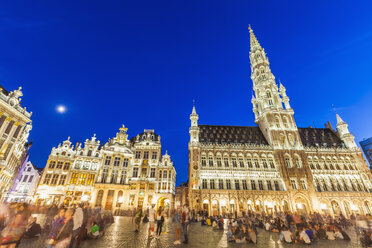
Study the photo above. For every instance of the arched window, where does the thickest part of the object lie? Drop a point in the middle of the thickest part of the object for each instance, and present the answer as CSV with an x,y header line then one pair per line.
x,y
285,122
204,161
99,198
298,162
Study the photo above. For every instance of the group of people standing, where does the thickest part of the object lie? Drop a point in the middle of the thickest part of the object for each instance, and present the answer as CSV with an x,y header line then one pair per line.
x,y
64,227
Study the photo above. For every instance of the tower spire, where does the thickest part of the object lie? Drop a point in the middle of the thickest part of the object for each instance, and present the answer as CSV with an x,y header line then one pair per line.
x,y
254,41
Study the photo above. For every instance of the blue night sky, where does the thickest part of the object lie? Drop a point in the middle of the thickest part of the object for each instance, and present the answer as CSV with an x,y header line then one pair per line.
x,y
140,63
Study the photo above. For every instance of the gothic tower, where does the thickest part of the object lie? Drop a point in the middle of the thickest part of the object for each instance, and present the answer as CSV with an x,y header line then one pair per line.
x,y
271,108
194,150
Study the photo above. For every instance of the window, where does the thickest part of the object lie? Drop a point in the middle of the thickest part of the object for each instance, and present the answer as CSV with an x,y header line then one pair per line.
x,y
345,185
244,182
62,179
90,179
210,161
205,183
277,122
211,184
241,162
25,178
256,164
253,184
165,174
303,184
142,186
154,155
104,175
151,186
325,188
29,169
237,185
152,173
203,161
30,180
228,184
135,172
47,178
249,162
226,162
74,178
145,155
160,174
294,184
276,185
54,179
138,155
288,162
52,164
264,163
66,166
219,162
108,160
117,161
59,165
233,160
123,175
260,185
269,187
285,122
317,185
271,162
125,162
220,183
298,162
82,179
89,153
144,172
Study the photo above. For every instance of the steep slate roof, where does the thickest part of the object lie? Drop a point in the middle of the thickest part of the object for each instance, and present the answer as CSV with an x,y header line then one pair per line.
x,y
231,134
319,137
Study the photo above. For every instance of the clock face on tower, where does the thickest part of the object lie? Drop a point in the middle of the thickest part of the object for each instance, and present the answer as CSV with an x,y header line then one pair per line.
x,y
195,167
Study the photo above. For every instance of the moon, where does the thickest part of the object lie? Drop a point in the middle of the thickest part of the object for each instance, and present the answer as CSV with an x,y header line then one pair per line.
x,y
61,109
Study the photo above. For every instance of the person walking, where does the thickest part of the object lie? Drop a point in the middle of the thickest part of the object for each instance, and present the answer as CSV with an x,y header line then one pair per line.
x,y
151,220
137,218
62,231
159,221
177,222
78,222
186,223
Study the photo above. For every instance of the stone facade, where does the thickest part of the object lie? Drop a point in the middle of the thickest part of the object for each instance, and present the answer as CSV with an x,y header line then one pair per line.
x,y
15,125
118,176
275,166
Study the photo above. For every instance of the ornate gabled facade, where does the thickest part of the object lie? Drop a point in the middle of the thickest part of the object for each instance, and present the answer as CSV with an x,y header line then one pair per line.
x,y
275,166
120,175
15,125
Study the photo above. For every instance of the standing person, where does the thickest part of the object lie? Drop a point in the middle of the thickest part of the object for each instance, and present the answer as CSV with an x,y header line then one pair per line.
x,y
63,231
177,221
159,221
137,217
151,220
78,222
11,235
185,223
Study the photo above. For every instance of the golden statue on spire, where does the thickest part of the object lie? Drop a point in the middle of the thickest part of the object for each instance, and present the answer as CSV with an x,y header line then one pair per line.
x,y
123,129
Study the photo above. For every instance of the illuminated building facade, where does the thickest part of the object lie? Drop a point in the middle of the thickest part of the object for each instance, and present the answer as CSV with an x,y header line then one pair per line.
x,y
275,166
15,125
118,176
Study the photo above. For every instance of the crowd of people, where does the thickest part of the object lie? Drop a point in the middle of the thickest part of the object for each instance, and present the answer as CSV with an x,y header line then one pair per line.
x,y
63,227
292,228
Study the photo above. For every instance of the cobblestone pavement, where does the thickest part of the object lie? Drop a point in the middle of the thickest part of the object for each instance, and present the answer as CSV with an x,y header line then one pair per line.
x,y
121,235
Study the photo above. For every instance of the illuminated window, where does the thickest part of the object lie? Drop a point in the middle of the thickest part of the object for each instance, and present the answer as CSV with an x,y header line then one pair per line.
x,y
133,186
82,179
244,183
233,160
90,179
151,186
74,178
205,184
135,172
146,155
138,154
226,162
269,186
142,186
294,184
152,173
228,184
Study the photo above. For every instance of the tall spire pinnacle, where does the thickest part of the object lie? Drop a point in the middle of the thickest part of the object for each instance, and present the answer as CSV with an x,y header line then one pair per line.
x,y
254,41
339,120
